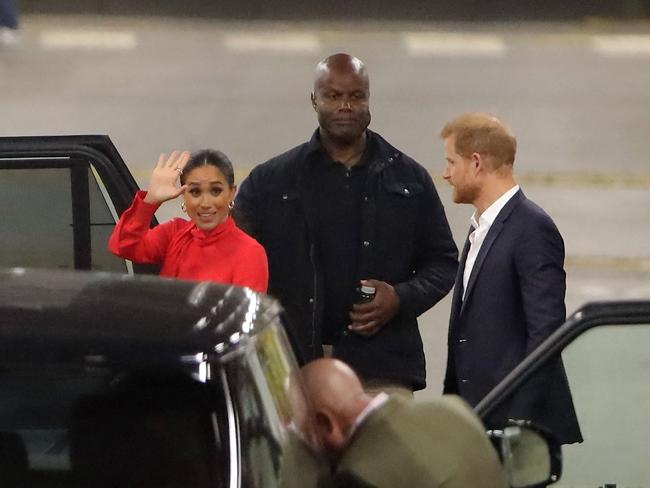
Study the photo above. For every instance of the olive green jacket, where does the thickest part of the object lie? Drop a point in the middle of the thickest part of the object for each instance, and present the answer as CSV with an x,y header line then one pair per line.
x,y
410,444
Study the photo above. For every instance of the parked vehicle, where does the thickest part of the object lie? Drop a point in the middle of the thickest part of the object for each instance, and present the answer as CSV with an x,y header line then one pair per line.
x,y
111,380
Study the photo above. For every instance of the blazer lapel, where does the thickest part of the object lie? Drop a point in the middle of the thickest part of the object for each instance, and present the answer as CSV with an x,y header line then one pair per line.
x,y
491,236
457,297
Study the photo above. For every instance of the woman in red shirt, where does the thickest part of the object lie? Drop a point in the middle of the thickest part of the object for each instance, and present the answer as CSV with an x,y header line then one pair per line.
x,y
209,246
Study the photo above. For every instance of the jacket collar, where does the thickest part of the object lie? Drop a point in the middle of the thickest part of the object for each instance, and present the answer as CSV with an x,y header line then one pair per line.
x,y
383,153
491,236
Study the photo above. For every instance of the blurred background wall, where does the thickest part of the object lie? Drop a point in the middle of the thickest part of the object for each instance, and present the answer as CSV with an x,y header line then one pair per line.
x,y
432,10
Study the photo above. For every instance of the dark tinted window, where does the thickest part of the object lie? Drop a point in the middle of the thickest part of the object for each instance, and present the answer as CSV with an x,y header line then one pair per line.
x,y
36,224
38,221
65,425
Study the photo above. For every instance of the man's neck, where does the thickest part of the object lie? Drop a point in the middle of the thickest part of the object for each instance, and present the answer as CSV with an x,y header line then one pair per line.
x,y
347,154
491,193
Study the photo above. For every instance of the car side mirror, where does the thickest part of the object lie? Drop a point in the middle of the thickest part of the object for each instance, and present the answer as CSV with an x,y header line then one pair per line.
x,y
531,456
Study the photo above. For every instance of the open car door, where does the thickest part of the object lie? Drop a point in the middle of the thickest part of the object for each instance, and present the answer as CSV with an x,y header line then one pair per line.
x,y
604,347
60,198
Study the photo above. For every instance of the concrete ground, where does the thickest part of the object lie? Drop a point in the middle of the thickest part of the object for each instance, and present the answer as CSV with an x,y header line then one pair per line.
x,y
576,95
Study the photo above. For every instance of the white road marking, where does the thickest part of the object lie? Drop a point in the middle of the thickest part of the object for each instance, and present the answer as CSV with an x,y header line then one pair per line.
x,y
621,46
273,42
88,39
431,44
621,263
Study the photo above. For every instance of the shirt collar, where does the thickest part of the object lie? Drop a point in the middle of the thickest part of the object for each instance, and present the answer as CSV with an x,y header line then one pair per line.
x,y
488,217
314,144
314,147
374,404
206,238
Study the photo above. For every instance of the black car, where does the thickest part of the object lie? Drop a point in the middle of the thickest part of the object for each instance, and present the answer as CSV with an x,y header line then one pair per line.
x,y
115,380
112,379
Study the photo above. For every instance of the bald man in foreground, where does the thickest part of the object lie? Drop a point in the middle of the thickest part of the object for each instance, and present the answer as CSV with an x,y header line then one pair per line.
x,y
392,441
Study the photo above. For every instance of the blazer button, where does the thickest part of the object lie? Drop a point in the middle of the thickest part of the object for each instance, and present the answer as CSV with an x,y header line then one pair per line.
x,y
464,381
366,243
285,197
311,299
345,333
461,341
406,191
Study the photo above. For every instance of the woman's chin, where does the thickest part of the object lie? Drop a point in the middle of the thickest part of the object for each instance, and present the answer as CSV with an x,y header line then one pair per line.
x,y
208,225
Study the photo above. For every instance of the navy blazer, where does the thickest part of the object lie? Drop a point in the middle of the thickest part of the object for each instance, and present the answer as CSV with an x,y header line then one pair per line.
x,y
514,300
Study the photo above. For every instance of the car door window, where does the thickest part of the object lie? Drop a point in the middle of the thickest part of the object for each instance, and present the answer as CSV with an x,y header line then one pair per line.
x,y
103,218
36,221
61,197
56,217
607,368
604,349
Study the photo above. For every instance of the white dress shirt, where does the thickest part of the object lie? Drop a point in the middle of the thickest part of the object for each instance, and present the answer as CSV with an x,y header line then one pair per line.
x,y
481,229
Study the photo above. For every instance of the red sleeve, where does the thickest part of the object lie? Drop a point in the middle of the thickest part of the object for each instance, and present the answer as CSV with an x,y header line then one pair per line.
x,y
132,239
253,269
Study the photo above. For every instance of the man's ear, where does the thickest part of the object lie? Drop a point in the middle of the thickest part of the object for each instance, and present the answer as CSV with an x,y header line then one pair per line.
x,y
330,431
313,102
324,423
477,161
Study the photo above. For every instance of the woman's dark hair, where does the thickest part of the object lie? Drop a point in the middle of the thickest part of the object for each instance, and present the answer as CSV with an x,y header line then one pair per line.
x,y
213,157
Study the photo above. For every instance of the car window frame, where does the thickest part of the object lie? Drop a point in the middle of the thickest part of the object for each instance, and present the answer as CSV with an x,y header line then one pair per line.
x,y
80,154
591,315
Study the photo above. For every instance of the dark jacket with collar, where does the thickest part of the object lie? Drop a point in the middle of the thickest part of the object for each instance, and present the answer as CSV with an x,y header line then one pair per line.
x,y
514,300
405,241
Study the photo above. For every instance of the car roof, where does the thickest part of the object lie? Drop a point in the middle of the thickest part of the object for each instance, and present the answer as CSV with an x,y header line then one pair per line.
x,y
137,317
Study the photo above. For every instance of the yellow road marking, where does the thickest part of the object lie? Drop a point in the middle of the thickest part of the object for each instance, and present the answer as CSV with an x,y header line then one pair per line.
x,y
578,180
613,263
569,180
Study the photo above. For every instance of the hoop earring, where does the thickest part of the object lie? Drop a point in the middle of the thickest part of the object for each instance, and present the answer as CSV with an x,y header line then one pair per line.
x,y
183,207
231,205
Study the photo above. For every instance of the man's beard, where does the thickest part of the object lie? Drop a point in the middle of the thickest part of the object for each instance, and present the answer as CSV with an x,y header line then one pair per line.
x,y
466,194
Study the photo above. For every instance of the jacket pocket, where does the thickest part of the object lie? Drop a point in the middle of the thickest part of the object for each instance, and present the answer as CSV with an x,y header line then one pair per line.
x,y
282,205
397,214
283,221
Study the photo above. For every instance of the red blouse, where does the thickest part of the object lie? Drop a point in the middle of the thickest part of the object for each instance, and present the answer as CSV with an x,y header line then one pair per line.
x,y
226,254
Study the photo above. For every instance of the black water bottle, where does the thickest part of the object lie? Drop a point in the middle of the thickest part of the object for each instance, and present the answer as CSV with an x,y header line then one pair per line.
x,y
365,293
